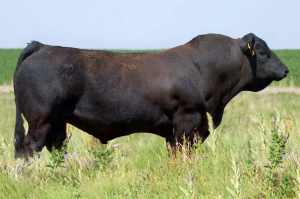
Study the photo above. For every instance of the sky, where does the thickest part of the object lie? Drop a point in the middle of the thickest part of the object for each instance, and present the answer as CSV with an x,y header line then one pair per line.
x,y
145,24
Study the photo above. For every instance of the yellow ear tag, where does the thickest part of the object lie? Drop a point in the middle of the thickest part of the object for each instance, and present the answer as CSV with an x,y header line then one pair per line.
x,y
249,47
252,51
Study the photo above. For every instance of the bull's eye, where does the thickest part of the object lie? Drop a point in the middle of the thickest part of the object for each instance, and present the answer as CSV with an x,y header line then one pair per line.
x,y
262,53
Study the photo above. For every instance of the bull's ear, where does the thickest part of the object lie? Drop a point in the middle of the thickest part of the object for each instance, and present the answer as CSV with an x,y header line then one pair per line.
x,y
247,44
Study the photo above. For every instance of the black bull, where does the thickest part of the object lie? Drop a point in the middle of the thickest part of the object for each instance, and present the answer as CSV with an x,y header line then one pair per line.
x,y
109,95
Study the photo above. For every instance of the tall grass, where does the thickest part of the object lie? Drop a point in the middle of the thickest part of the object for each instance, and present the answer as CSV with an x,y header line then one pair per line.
x,y
140,166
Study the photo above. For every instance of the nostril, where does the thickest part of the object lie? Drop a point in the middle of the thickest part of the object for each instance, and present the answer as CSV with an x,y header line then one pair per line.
x,y
286,71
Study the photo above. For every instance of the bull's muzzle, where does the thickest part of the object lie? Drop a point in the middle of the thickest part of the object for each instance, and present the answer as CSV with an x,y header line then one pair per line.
x,y
286,71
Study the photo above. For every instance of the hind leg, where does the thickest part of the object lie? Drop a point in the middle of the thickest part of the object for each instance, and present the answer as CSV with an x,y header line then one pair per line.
x,y
49,135
35,139
56,136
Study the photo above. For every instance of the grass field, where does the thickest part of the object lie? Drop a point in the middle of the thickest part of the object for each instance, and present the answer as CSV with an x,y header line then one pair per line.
x,y
243,158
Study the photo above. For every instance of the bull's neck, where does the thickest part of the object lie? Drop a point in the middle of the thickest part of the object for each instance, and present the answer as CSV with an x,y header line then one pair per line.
x,y
223,73
225,83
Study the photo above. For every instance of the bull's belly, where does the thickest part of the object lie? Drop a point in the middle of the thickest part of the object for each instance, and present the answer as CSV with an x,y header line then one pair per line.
x,y
107,126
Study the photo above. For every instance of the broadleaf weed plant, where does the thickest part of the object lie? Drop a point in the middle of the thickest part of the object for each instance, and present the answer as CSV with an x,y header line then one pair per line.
x,y
276,186
58,156
103,154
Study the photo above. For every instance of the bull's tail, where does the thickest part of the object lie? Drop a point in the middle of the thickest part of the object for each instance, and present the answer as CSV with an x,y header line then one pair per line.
x,y
19,132
19,126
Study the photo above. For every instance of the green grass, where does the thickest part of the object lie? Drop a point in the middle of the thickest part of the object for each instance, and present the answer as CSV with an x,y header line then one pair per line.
x,y
291,58
9,58
141,167
8,63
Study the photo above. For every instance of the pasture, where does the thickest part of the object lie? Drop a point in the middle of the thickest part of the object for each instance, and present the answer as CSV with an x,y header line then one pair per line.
x,y
254,153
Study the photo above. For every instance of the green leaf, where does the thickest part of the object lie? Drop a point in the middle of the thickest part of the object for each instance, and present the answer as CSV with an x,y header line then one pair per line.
x,y
49,165
231,191
294,175
186,192
268,166
295,190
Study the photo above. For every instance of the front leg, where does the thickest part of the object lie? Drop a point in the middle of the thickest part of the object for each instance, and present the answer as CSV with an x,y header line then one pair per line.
x,y
205,136
186,121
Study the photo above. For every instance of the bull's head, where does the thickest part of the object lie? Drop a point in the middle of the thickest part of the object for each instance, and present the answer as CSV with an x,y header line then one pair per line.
x,y
265,65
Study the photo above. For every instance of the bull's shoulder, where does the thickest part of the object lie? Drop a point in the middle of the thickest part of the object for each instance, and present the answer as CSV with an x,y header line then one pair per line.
x,y
209,39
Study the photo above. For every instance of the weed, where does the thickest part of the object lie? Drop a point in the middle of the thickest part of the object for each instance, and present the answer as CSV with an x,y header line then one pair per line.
x,y
276,186
213,137
103,155
235,179
190,182
297,183
3,145
250,165
263,132
58,156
